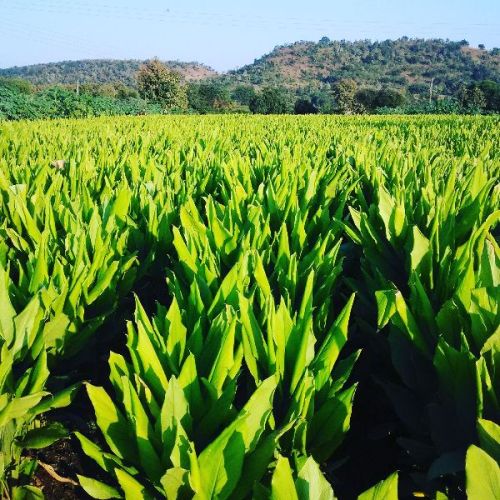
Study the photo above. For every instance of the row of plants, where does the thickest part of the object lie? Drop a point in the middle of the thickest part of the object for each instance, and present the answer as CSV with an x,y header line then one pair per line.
x,y
256,295
59,102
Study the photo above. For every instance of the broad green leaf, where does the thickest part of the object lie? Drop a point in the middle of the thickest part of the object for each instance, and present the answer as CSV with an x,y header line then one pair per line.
x,y
221,462
256,464
386,305
177,333
282,484
148,364
174,481
97,489
175,407
112,424
59,400
421,248
385,490
330,423
143,432
253,341
106,461
20,407
311,484
482,475
43,436
27,493
489,437
333,343
132,488
225,358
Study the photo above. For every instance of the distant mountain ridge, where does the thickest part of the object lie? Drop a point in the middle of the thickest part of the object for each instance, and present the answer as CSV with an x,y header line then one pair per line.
x,y
399,63
99,71
404,63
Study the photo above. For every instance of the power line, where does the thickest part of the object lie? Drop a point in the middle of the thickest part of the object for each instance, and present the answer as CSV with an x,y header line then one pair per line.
x,y
35,33
210,18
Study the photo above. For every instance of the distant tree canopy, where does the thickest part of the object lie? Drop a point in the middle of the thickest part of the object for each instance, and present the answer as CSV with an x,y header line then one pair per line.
x,y
491,93
243,94
367,97
397,64
418,88
389,98
305,68
210,97
16,85
344,92
305,107
270,101
65,102
161,85
115,90
100,71
160,90
323,101
472,98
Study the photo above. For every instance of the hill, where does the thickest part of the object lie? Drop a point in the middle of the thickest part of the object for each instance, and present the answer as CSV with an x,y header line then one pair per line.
x,y
404,63
99,71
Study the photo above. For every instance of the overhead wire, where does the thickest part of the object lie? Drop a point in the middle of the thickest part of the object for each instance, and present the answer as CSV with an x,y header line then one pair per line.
x,y
171,15
49,36
208,18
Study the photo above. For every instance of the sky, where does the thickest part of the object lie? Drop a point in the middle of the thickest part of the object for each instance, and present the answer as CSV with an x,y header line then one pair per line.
x,y
224,34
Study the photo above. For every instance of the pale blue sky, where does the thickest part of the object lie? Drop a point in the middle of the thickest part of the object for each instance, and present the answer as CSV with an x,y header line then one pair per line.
x,y
221,33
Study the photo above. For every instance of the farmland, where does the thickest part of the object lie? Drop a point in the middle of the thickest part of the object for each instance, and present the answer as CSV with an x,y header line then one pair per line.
x,y
228,306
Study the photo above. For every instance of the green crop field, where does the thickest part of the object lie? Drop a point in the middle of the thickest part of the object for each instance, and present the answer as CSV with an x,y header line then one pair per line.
x,y
250,307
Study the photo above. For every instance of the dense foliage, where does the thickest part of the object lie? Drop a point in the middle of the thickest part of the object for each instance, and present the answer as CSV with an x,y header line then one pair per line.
x,y
59,102
270,101
276,307
18,100
403,64
161,85
101,71
405,76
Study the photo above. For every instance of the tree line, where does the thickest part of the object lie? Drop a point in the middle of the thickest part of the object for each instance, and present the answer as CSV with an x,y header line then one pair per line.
x,y
405,64
160,89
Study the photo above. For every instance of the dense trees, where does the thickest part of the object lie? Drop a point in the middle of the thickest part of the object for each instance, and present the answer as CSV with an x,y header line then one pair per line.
x,y
116,90
389,98
491,92
371,98
397,64
344,93
305,107
65,102
327,77
406,65
161,85
16,85
100,71
471,98
208,97
243,94
163,92
484,95
270,101
367,97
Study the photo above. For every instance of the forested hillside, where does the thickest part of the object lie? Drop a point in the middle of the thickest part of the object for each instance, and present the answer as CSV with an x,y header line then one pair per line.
x,y
99,71
404,76
404,63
